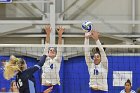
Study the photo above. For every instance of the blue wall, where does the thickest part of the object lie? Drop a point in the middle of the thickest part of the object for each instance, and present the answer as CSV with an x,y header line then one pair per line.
x,y
75,77
124,63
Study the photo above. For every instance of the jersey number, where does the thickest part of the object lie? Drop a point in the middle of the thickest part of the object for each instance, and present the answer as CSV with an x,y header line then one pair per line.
x,y
96,72
51,66
20,84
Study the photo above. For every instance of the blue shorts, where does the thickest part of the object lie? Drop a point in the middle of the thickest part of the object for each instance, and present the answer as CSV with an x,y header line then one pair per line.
x,y
97,91
56,88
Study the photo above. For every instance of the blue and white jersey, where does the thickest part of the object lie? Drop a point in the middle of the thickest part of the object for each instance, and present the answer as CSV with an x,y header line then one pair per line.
x,y
51,68
123,91
98,73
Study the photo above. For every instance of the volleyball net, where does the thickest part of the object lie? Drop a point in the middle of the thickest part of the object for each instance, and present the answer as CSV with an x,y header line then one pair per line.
x,y
123,64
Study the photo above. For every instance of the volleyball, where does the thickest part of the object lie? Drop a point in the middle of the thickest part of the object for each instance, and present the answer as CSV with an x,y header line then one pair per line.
x,y
87,25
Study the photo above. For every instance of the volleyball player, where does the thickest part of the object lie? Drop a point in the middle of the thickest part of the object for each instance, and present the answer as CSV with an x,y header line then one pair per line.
x,y
24,76
128,87
50,75
98,66
25,80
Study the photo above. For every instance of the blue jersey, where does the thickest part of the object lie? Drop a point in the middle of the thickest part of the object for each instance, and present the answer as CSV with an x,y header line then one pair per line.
x,y
25,80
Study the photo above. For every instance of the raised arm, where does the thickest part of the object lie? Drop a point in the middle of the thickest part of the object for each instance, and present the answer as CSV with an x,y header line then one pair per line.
x,y
30,71
48,31
60,31
87,50
95,36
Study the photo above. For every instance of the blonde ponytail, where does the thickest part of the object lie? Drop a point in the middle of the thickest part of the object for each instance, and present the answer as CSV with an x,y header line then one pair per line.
x,y
11,68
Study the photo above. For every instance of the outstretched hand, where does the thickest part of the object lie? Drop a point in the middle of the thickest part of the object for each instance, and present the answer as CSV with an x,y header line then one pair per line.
x,y
87,35
48,29
60,30
95,35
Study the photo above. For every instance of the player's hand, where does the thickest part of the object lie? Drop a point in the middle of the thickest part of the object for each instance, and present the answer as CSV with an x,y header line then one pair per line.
x,y
87,34
48,29
48,90
60,30
95,35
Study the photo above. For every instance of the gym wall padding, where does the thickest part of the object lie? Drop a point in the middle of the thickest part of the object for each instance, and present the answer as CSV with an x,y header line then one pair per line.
x,y
75,77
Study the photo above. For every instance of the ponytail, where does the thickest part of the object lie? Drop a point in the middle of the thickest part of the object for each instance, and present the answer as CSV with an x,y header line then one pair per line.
x,y
11,68
128,81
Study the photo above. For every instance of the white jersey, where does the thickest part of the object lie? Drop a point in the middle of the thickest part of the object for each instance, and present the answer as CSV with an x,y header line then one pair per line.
x,y
51,69
123,91
98,73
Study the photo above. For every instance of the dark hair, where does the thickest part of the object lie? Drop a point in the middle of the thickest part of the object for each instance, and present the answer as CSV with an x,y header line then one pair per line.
x,y
54,49
128,81
96,50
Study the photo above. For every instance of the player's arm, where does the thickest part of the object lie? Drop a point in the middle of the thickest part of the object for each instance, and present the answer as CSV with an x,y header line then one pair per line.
x,y
95,36
48,31
87,49
30,71
60,31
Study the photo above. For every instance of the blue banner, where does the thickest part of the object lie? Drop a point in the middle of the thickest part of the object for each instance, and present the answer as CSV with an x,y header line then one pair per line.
x,y
5,1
